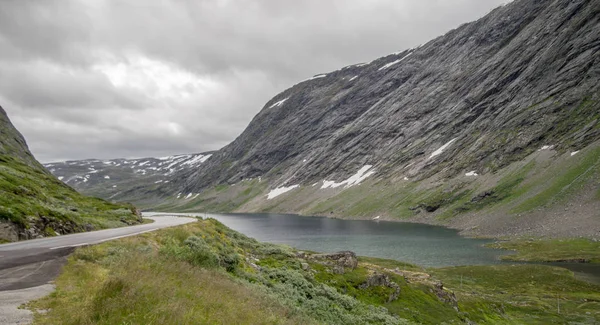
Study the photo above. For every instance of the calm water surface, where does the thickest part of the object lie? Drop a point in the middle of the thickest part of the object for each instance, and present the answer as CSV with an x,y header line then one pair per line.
x,y
420,244
424,245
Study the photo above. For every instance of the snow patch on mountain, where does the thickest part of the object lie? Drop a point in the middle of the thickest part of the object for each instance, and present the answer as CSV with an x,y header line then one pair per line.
x,y
316,77
394,62
355,179
442,148
280,190
279,103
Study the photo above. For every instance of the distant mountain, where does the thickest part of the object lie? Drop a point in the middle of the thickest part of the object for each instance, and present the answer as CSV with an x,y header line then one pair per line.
x,y
492,128
33,203
139,180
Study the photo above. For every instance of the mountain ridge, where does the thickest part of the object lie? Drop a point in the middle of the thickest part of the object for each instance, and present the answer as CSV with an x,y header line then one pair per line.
x,y
392,83
496,119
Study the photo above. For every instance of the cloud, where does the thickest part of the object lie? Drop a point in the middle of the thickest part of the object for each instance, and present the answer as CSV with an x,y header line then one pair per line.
x,y
107,78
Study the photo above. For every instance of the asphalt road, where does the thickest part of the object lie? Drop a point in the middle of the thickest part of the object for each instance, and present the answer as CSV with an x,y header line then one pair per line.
x,y
26,267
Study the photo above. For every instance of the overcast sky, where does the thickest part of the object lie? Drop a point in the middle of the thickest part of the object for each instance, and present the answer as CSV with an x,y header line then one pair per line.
x,y
137,78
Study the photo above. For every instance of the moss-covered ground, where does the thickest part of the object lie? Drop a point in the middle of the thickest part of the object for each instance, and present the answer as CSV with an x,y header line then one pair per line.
x,y
551,250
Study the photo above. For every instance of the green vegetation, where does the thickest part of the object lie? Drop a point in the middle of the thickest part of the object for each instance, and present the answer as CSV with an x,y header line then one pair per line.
x,y
565,182
369,198
205,273
507,189
131,285
196,274
28,194
539,250
522,294
221,198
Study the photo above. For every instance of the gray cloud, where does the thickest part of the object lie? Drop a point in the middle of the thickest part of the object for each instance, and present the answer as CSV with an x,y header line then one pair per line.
x,y
107,78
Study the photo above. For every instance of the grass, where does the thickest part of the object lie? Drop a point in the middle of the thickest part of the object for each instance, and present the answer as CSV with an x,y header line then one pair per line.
x,y
221,198
522,294
415,302
28,194
206,273
539,250
389,264
200,273
564,183
508,188
134,287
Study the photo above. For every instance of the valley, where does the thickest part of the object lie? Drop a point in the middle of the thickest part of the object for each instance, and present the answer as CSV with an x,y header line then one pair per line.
x,y
492,129
453,182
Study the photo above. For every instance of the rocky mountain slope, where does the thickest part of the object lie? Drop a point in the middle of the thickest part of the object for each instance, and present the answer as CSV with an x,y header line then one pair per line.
x,y
125,179
489,92
492,128
33,203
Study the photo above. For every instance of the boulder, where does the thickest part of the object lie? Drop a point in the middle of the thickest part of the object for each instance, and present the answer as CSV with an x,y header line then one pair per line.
x,y
339,261
378,279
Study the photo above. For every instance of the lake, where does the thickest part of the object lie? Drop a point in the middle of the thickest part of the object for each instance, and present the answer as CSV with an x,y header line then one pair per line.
x,y
425,245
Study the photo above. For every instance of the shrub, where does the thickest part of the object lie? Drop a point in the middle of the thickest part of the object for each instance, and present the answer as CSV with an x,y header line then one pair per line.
x,y
200,253
230,262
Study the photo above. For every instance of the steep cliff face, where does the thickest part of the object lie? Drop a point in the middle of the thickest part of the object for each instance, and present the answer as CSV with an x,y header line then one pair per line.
x,y
492,128
33,203
493,91
13,144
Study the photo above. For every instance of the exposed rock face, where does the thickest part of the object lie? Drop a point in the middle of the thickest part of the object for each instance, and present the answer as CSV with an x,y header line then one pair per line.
x,y
382,280
8,231
39,227
338,261
431,132
488,92
444,295
13,144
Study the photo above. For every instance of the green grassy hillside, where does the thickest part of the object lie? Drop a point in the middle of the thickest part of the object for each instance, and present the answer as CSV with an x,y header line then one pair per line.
x,y
34,203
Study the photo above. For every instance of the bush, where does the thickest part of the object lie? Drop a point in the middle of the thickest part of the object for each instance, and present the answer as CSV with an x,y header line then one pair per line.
x,y
230,262
292,289
200,253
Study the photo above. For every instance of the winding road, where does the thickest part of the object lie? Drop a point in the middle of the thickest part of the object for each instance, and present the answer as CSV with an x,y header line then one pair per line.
x,y
26,267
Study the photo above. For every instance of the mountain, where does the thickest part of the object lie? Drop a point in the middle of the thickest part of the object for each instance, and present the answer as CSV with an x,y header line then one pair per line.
x,y
492,128
139,180
33,203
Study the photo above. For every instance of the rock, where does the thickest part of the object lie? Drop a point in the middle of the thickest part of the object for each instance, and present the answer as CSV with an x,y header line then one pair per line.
x,y
338,261
9,231
305,266
480,97
382,280
481,196
300,254
497,87
444,295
